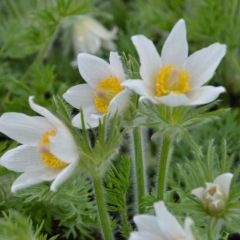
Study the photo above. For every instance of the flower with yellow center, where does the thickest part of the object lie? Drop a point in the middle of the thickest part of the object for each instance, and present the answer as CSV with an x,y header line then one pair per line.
x,y
103,92
163,226
214,196
175,78
48,151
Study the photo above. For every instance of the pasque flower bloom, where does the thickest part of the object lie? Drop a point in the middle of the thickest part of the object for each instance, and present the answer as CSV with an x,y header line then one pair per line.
x,y
174,78
89,35
163,226
215,195
48,151
102,93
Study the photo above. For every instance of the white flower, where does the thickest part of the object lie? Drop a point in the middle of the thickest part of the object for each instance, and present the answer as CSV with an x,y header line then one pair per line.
x,y
48,151
215,195
163,226
102,93
174,78
89,35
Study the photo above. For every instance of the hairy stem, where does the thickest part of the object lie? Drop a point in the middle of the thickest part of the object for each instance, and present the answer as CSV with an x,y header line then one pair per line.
x,y
139,172
165,156
102,208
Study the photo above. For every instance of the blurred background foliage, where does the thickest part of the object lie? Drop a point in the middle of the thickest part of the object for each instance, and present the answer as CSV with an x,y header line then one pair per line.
x,y
36,53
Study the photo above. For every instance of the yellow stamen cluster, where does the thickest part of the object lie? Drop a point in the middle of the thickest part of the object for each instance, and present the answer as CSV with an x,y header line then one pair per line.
x,y
170,79
105,90
48,158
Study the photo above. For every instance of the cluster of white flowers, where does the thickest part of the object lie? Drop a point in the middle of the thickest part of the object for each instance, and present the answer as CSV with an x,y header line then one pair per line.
x,y
49,152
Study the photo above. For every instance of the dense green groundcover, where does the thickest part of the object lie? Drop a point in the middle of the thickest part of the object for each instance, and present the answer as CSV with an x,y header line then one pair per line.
x,y
36,55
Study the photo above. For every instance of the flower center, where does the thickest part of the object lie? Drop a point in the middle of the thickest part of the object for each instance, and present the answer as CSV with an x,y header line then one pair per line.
x,y
48,158
214,199
105,90
170,79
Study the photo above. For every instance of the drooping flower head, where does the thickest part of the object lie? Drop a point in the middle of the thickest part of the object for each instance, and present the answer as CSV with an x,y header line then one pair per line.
x,y
102,93
163,226
214,196
174,78
47,151
89,36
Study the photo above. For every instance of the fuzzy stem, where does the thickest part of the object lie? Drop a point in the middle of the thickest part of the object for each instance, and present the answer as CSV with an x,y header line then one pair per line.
x,y
102,208
165,156
139,169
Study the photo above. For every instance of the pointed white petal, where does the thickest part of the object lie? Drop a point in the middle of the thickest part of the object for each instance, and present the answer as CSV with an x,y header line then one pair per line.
x,y
120,102
174,100
224,182
203,63
168,224
63,176
93,69
90,121
198,192
22,128
144,236
138,86
80,96
205,94
99,30
24,181
175,48
90,43
22,158
31,178
116,65
63,146
149,59
147,223
188,229
44,112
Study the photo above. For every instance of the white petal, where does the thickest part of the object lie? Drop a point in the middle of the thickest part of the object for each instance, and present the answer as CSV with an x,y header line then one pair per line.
x,y
63,146
144,236
188,229
98,29
63,176
24,181
120,102
149,58
147,223
44,112
224,181
168,224
198,192
86,42
93,69
205,94
116,65
79,96
90,43
28,179
138,86
173,100
108,44
203,63
22,158
90,121
175,48
22,128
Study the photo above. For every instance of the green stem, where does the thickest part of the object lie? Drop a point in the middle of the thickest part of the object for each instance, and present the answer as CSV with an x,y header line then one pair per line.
x,y
166,152
139,169
102,208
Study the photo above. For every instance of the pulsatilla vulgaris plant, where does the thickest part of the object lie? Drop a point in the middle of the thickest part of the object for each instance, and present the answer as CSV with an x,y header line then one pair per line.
x,y
116,115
